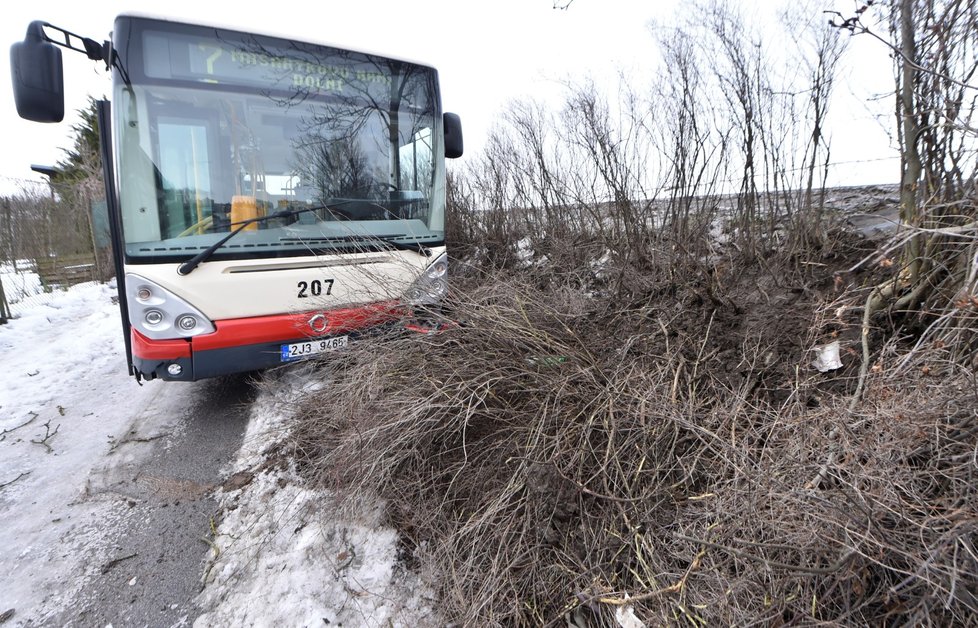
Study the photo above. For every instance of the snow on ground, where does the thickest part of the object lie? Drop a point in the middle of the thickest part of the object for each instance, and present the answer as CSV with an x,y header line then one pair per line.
x,y
64,402
287,555
61,375
22,287
283,554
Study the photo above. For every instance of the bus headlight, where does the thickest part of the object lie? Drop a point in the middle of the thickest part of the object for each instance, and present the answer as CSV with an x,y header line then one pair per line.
x,y
439,268
432,285
187,322
153,318
159,314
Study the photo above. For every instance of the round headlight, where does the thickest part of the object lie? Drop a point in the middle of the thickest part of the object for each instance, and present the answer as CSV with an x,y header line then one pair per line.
x,y
153,317
143,293
438,269
438,288
187,322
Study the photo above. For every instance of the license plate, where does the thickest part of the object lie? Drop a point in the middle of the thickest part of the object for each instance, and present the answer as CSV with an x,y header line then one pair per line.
x,y
300,350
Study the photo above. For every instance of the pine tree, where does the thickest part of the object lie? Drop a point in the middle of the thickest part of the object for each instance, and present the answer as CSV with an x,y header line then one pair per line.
x,y
83,159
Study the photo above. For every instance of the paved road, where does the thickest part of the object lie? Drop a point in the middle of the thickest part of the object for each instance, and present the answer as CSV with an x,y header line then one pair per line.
x,y
158,555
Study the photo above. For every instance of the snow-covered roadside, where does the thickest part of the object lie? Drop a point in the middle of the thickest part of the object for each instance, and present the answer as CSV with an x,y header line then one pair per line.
x,y
23,288
285,555
66,404
72,422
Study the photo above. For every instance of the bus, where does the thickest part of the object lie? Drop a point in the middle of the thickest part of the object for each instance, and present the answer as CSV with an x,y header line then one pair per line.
x,y
269,199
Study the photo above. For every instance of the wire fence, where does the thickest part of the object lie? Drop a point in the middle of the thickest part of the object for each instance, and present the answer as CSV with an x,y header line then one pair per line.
x,y
22,287
50,239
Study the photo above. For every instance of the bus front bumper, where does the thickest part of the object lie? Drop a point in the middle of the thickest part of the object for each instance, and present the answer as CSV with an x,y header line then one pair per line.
x,y
252,344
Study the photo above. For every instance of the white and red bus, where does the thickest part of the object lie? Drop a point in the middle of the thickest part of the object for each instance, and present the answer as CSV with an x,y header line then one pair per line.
x,y
270,199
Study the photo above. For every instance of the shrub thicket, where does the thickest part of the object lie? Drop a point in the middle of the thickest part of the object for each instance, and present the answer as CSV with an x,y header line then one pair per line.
x,y
625,414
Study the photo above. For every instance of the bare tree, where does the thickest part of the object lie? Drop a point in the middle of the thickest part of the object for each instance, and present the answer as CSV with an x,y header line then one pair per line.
x,y
935,63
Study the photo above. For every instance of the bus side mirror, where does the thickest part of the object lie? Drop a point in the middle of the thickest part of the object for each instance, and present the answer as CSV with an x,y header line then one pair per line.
x,y
453,135
37,74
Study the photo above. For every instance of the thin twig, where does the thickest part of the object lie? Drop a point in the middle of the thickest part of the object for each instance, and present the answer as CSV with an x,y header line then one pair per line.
x,y
115,561
834,567
34,416
48,435
22,475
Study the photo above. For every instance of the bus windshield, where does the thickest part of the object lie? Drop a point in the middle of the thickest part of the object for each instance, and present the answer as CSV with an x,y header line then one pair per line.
x,y
214,127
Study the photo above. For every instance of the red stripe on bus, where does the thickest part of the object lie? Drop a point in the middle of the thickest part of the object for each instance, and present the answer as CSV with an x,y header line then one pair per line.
x,y
282,327
149,349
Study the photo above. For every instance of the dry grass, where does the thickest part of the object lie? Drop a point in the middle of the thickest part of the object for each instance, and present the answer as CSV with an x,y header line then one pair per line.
x,y
560,454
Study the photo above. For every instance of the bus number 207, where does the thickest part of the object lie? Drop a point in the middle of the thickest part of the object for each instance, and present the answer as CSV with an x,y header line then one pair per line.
x,y
314,288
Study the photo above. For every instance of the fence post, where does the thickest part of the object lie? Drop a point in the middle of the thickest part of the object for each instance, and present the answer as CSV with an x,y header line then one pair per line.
x,y
11,252
4,308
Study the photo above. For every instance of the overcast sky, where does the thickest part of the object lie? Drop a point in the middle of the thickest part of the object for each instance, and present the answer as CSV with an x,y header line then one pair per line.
x,y
488,52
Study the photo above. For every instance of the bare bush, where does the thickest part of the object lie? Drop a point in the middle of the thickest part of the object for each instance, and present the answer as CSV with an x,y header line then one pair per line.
x,y
45,223
625,414
29,224
557,456
723,150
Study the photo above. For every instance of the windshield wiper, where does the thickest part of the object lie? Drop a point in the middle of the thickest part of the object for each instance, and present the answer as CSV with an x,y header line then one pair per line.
x,y
188,267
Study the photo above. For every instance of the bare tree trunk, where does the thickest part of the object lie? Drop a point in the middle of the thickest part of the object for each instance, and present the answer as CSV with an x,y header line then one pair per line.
x,y
911,165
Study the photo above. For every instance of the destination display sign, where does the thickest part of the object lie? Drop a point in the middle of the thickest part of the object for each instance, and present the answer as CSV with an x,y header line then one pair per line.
x,y
177,56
